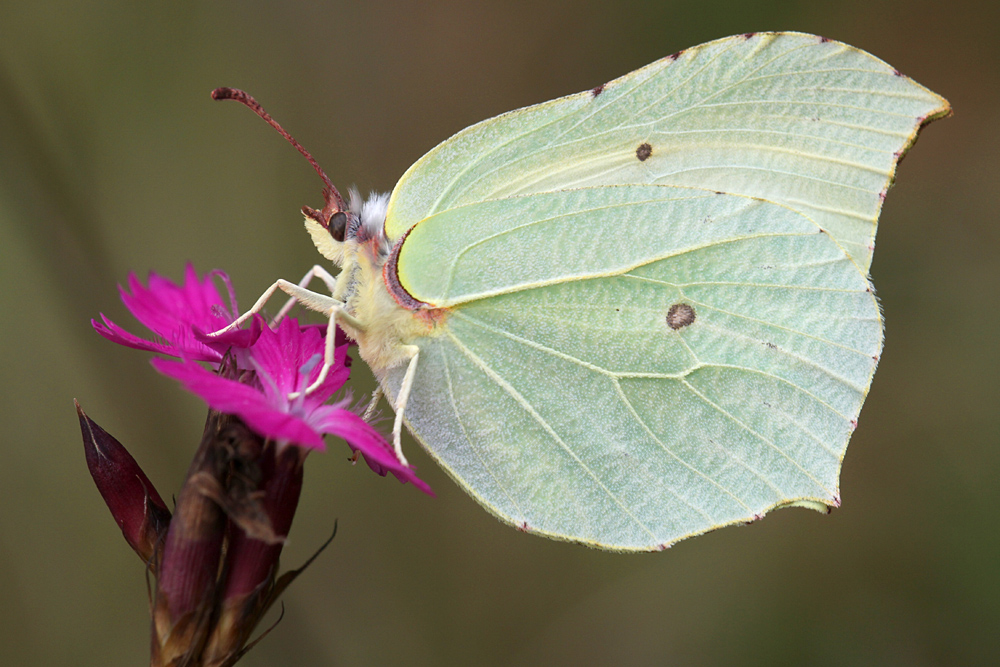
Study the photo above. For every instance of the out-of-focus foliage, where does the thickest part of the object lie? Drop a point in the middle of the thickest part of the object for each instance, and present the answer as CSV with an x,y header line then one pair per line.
x,y
113,158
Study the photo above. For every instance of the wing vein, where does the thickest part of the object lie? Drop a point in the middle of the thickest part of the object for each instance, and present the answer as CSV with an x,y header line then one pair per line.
x,y
745,369
780,133
523,402
814,103
766,170
619,271
722,411
614,378
790,330
739,284
670,452
513,230
651,78
446,190
632,93
476,450
532,344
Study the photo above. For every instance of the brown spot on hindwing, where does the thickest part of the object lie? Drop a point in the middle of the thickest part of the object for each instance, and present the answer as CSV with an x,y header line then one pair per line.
x,y
679,316
643,152
597,90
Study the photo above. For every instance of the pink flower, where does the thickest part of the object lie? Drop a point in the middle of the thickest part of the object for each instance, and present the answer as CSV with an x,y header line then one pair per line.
x,y
179,316
270,365
285,362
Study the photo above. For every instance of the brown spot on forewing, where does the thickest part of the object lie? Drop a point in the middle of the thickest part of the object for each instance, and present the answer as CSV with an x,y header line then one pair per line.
x,y
643,152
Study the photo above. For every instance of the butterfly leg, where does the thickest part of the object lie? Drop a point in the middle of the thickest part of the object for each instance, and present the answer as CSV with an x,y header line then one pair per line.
x,y
316,271
377,394
320,303
309,299
334,310
257,307
404,395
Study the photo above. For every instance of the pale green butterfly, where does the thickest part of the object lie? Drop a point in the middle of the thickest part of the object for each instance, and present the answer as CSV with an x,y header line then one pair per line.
x,y
641,312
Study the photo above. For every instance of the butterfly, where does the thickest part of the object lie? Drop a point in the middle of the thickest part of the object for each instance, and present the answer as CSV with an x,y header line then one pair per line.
x,y
641,312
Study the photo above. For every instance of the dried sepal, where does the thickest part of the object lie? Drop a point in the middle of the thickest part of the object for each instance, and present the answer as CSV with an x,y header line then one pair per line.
x,y
184,605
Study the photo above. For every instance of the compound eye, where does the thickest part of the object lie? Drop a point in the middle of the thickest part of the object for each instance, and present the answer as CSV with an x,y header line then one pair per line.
x,y
338,226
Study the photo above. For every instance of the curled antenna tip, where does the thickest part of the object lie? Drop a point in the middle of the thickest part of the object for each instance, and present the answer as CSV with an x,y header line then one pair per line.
x,y
224,93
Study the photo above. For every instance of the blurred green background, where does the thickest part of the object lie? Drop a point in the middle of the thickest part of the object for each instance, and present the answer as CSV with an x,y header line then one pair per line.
x,y
114,159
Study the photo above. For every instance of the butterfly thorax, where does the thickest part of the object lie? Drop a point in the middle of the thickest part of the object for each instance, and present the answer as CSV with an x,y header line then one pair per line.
x,y
387,325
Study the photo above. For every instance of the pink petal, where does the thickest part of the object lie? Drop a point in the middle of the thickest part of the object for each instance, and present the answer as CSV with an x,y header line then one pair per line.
x,y
280,357
165,306
175,313
379,454
243,400
116,334
234,338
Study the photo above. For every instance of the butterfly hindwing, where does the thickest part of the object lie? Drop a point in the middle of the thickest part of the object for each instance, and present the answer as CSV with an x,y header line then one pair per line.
x,y
672,361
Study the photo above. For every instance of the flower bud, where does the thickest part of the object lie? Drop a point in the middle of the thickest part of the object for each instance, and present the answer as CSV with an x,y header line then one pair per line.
x,y
134,503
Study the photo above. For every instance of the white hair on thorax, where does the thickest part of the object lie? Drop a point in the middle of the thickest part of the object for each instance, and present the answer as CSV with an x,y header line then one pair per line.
x,y
371,212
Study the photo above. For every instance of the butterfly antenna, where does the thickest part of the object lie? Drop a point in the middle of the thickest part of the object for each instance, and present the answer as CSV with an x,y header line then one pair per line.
x,y
334,202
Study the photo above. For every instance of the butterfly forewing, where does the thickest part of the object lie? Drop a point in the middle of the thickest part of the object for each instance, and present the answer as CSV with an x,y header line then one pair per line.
x,y
810,123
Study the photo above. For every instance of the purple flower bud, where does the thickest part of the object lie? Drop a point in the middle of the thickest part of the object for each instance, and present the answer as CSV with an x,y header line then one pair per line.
x,y
134,503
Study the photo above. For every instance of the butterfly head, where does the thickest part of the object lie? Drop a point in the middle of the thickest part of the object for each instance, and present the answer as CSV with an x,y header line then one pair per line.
x,y
342,233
